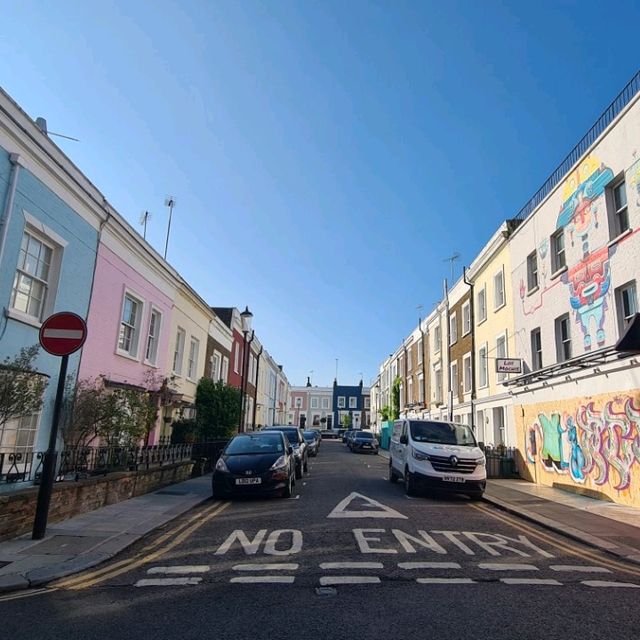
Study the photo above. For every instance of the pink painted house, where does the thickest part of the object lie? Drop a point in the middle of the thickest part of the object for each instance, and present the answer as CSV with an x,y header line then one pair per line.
x,y
129,318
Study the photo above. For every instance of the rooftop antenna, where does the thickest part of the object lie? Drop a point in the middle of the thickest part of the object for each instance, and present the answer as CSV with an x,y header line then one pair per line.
x,y
311,374
169,202
41,123
452,260
336,369
420,307
145,216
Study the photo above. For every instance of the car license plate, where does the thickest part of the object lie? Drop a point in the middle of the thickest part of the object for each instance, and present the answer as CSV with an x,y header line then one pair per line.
x,y
248,480
452,479
366,446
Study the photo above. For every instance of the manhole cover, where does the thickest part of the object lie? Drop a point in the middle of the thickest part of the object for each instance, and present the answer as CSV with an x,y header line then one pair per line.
x,y
64,545
169,492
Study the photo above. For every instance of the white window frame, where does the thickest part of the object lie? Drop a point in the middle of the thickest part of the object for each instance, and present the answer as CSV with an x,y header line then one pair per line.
x,y
467,372
483,366
532,272
420,351
620,212
153,361
453,328
420,388
409,360
353,402
498,304
482,308
466,318
216,366
501,376
561,343
43,234
236,357
134,349
342,402
325,403
178,351
438,390
15,429
625,317
558,256
314,403
536,354
453,375
367,403
224,376
410,390
192,360
437,338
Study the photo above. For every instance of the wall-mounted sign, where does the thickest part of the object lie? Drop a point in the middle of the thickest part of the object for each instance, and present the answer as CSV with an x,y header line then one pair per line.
x,y
508,365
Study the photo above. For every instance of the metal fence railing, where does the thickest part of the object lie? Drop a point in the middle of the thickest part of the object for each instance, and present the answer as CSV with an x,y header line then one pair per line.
x,y
75,463
501,462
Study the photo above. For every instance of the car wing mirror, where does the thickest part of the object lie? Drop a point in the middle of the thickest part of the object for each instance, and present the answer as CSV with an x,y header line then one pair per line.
x,y
404,440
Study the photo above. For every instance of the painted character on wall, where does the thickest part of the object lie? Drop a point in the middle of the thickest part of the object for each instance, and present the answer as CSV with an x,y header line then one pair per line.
x,y
577,462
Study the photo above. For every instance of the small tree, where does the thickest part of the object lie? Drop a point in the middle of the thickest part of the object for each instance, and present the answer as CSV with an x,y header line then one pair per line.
x,y
395,398
346,420
217,409
385,412
21,386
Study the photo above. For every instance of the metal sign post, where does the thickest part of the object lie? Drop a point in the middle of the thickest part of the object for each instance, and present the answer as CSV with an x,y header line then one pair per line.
x,y
60,335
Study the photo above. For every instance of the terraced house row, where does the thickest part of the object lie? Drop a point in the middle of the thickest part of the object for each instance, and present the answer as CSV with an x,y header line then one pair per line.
x,y
63,247
555,287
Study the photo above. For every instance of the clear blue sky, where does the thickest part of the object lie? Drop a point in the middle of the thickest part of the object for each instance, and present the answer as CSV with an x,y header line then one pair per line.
x,y
325,156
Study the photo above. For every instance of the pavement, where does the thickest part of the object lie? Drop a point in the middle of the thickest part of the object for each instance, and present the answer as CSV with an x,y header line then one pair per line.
x,y
609,527
89,539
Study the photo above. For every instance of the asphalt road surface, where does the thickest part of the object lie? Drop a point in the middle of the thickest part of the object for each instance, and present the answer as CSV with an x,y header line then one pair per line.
x,y
348,556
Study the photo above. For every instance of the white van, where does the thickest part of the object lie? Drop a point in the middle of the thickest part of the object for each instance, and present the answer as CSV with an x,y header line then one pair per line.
x,y
437,455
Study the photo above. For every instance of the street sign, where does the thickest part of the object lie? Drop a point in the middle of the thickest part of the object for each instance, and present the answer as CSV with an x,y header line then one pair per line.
x,y
508,365
63,333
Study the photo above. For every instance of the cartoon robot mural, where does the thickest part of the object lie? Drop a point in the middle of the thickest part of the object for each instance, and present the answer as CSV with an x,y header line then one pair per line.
x,y
589,279
602,446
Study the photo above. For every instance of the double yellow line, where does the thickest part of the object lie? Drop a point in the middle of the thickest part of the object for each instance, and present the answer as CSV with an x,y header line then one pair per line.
x,y
559,544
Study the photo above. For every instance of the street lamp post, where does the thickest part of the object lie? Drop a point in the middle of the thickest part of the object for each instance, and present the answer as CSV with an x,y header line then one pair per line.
x,y
246,317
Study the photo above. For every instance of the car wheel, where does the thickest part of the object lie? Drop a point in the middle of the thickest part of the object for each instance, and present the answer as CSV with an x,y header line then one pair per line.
x,y
288,490
299,470
393,476
409,483
306,465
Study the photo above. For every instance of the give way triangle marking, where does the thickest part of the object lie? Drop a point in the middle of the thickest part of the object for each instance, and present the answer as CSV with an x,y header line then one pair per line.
x,y
372,509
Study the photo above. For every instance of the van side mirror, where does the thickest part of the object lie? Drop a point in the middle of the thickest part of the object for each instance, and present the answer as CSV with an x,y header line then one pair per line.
x,y
290,450
404,439
481,445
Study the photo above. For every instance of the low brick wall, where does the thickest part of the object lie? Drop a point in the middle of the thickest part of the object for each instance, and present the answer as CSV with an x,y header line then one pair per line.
x,y
17,509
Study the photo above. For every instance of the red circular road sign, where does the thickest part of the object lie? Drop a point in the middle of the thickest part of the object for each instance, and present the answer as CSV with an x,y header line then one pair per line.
x,y
63,333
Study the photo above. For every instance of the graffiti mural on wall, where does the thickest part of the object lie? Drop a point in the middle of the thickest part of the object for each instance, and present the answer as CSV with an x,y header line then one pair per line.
x,y
600,444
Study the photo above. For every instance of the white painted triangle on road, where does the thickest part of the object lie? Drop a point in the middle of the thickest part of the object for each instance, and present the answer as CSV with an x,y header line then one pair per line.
x,y
376,509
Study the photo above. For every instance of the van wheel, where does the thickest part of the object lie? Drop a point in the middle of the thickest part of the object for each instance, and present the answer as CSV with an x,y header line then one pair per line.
x,y
393,476
409,483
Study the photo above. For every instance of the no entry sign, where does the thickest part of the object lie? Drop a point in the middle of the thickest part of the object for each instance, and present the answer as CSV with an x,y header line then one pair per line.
x,y
63,333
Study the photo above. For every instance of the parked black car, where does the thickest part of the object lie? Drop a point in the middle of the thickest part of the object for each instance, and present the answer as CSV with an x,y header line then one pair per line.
x,y
297,441
364,441
346,434
253,464
313,442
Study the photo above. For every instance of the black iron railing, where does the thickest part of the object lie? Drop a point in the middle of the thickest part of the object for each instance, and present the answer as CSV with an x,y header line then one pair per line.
x,y
75,463
501,462
612,111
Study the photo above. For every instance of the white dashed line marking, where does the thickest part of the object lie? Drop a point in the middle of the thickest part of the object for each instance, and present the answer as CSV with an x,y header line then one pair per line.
x,y
198,568
604,583
578,567
351,565
445,581
327,581
167,582
497,566
540,581
263,579
428,565
266,567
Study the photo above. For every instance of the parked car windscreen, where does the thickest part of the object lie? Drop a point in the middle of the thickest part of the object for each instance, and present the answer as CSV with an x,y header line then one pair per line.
x,y
436,432
309,435
255,443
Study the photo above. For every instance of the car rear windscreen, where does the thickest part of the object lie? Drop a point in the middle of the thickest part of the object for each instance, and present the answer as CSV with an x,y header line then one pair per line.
x,y
255,443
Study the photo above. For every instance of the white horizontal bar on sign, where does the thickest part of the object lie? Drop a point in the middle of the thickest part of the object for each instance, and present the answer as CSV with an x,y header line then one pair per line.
x,y
428,565
497,566
579,567
167,582
351,565
445,581
541,581
327,581
196,568
263,579
266,567
605,583
67,334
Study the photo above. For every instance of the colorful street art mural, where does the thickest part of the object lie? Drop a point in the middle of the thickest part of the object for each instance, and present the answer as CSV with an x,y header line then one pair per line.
x,y
596,444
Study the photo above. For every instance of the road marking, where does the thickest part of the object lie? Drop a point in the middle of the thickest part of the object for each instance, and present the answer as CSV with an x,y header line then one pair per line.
x,y
197,568
428,565
351,565
579,567
263,580
297,497
542,581
26,594
327,581
377,510
497,566
167,582
585,555
445,581
604,583
89,580
266,567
